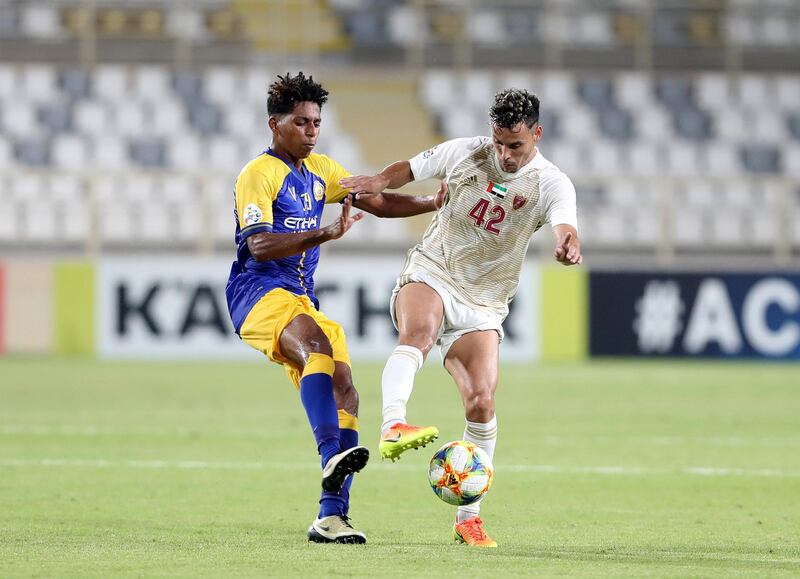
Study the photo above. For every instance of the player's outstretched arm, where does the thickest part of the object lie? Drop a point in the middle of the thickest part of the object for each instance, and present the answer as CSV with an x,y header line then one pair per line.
x,y
392,177
399,205
265,246
568,246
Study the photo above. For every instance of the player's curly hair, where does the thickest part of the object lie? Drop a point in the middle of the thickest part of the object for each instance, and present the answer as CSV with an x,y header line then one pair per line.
x,y
287,91
513,106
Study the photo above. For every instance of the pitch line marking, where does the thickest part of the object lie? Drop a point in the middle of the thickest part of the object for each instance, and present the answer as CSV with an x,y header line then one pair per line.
x,y
549,440
511,468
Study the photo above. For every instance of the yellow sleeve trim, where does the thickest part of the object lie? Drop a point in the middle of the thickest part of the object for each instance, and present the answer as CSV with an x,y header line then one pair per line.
x,y
347,420
319,364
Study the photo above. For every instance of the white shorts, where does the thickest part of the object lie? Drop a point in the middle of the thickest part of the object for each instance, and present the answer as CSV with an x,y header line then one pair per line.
x,y
459,318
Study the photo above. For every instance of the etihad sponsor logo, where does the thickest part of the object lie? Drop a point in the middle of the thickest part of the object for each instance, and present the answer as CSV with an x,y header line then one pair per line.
x,y
300,222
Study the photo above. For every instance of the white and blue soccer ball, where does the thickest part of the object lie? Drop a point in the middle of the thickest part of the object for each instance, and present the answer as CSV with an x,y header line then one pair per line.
x,y
460,473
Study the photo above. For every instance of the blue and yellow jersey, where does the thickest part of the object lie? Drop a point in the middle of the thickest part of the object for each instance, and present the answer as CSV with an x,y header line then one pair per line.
x,y
273,195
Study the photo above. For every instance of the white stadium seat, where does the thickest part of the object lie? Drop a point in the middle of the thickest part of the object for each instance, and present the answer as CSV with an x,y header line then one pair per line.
x,y
151,83
111,83
70,152
91,118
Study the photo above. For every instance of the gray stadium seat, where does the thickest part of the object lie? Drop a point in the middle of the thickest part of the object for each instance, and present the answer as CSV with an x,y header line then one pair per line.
x,y
34,152
75,83
692,124
55,116
205,118
761,158
675,92
148,152
616,124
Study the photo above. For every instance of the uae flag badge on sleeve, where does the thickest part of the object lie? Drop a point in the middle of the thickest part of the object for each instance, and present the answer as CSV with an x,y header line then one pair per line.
x,y
496,189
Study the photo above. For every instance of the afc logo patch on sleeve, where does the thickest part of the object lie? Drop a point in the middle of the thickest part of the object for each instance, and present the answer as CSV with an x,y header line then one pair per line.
x,y
319,191
252,214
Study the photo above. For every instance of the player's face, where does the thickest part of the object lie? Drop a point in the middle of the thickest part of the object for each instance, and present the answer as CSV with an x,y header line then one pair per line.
x,y
295,134
514,147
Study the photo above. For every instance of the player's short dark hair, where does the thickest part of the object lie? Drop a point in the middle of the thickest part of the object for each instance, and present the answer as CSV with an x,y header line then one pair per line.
x,y
284,94
513,106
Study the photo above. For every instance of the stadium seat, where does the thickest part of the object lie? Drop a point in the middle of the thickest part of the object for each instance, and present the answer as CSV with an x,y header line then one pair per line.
x,y
55,116
726,228
18,119
39,218
110,154
645,159
70,153
722,160
8,82
154,224
791,161
633,90
222,85
713,91
205,118
91,118
111,83
760,158
132,118
75,83
38,83
787,89
10,225
34,152
687,228
407,26
183,152
148,151
693,124
151,83
169,117
41,21
222,154
74,225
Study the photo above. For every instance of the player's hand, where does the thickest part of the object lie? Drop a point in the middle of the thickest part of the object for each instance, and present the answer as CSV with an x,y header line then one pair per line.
x,y
343,224
360,184
568,250
441,195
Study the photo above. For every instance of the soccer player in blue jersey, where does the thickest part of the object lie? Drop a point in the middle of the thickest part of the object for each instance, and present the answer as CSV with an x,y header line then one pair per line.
x,y
270,292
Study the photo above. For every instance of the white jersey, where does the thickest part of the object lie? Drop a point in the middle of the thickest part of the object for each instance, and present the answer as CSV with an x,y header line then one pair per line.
x,y
477,241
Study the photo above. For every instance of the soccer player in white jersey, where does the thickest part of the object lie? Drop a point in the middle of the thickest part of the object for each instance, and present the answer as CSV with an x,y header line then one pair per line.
x,y
456,285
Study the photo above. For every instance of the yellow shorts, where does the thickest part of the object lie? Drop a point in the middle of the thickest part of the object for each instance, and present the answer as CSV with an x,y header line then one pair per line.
x,y
272,313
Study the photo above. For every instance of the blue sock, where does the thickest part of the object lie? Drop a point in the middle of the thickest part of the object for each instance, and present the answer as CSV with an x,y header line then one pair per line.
x,y
349,439
316,393
339,503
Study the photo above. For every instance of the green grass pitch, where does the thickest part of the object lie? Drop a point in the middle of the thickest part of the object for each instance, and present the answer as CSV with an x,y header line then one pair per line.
x,y
615,469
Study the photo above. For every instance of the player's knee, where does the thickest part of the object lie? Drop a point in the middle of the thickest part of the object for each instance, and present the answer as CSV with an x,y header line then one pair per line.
x,y
479,403
319,344
422,340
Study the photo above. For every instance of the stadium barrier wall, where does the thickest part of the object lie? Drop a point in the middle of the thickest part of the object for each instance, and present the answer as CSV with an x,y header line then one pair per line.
x,y
174,308
708,315
2,309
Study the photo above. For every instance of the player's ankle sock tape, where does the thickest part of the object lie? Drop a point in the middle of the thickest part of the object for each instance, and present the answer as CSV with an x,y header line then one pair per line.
x,y
348,421
319,364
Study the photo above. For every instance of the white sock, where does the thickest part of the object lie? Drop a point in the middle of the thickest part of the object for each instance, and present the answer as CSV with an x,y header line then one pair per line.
x,y
397,382
483,435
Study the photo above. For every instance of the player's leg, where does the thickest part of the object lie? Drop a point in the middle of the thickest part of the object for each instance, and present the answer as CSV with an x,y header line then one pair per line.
x,y
346,397
305,344
418,313
472,361
332,524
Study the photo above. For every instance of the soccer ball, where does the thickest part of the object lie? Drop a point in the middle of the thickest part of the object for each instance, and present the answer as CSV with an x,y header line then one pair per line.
x,y
460,473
